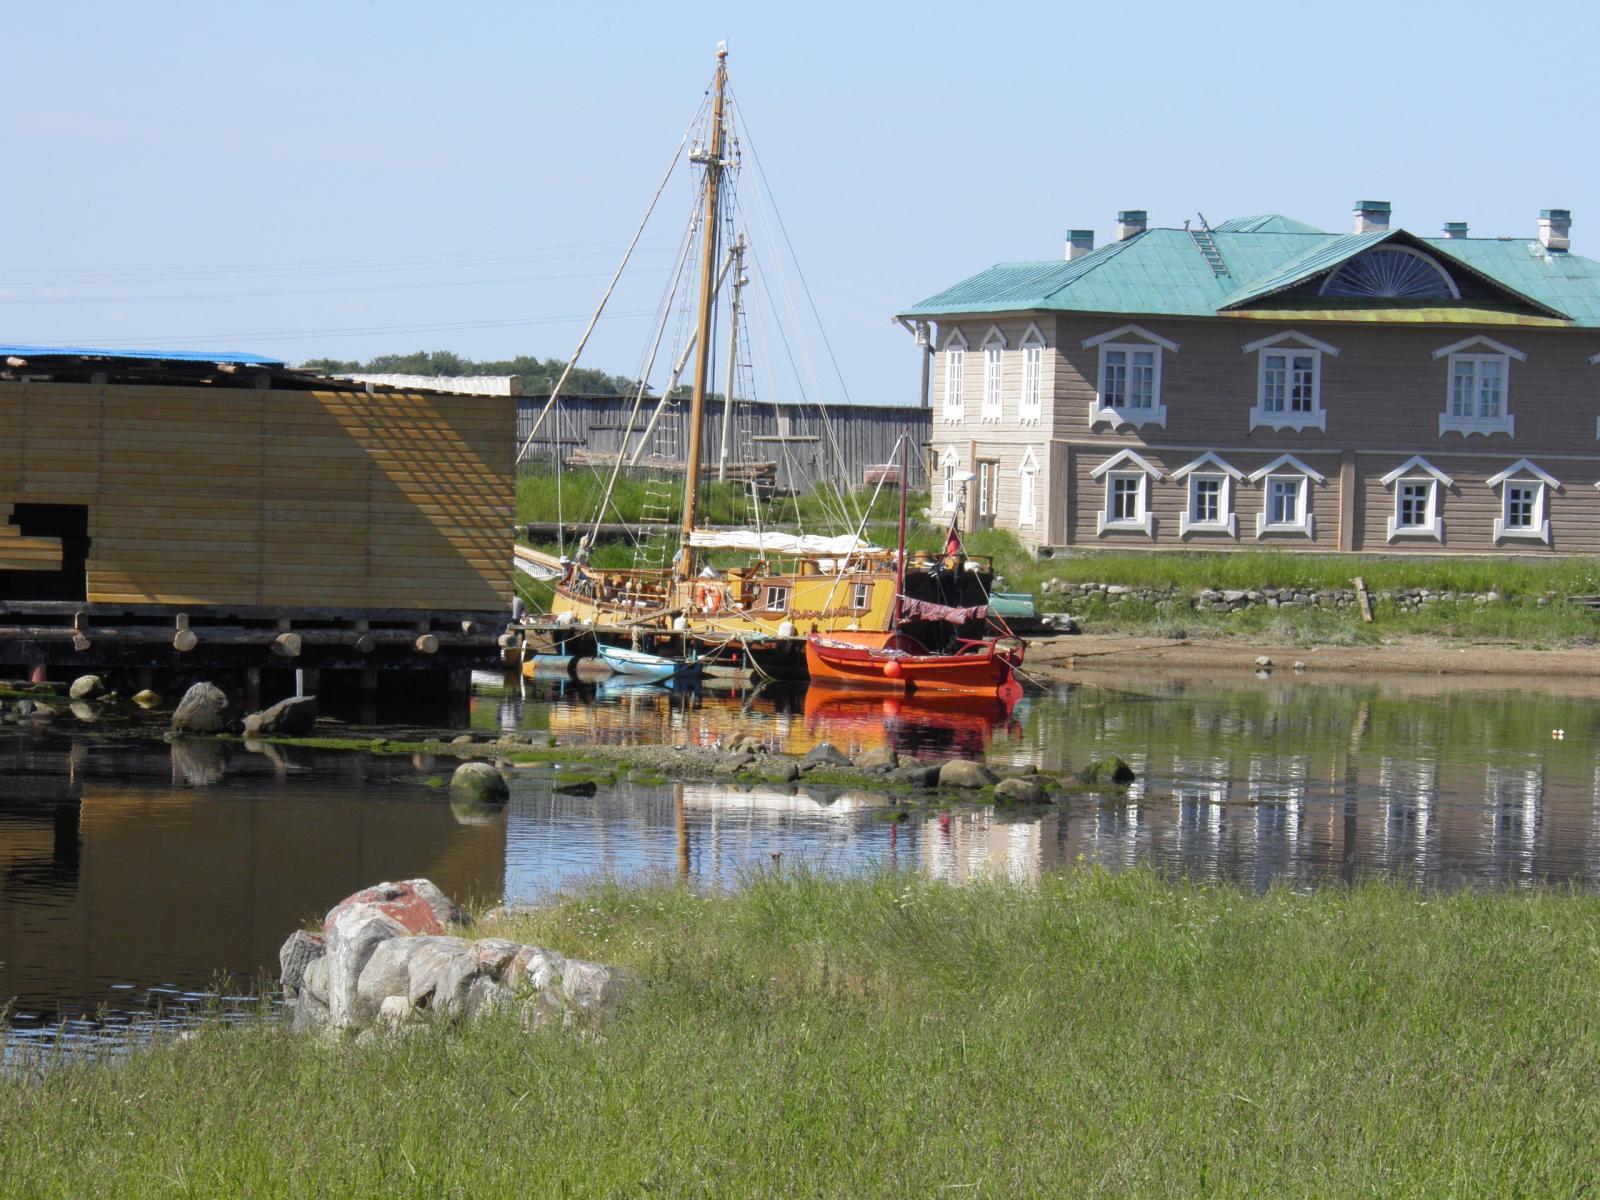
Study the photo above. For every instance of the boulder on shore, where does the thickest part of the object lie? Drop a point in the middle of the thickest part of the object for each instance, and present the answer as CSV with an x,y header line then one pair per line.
x,y
917,775
824,754
1107,770
1020,789
203,709
87,687
879,758
294,717
146,699
964,773
480,782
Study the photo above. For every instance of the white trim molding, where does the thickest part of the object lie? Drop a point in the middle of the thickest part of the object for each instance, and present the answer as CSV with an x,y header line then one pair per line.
x,y
1280,344
1143,520
1290,335
1209,467
1470,353
1522,472
1414,471
1030,407
1123,331
1286,467
954,347
949,466
1027,489
1481,340
992,403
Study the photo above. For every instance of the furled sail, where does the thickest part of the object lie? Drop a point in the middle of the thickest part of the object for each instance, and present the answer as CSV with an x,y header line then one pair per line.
x,y
778,543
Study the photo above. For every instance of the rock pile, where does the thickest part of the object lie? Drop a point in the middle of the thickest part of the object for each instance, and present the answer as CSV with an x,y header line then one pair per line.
x,y
1233,599
391,956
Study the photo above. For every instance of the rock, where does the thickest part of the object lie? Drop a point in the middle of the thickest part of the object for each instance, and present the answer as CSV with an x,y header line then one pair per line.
x,y
823,754
1108,770
787,772
439,961
146,699
574,787
294,717
592,990
1233,596
359,924
315,981
299,951
386,974
84,711
396,1011
879,758
87,687
964,773
23,708
1019,791
1298,667
917,775
462,740
1263,663
480,782
732,764
494,955
203,709
1021,771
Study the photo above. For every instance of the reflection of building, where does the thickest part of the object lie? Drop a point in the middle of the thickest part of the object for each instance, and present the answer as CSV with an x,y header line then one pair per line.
x,y
975,844
1511,819
1407,794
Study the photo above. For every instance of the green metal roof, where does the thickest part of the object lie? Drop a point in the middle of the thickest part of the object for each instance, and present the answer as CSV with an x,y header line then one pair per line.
x,y
1162,272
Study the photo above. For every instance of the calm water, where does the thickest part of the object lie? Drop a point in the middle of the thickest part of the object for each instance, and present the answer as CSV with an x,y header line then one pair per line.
x,y
136,872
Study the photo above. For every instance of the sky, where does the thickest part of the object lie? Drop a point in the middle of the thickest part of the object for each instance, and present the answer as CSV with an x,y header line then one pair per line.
x,y
346,179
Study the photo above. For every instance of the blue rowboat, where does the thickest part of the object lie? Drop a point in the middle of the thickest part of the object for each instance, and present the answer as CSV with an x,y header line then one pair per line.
x,y
639,665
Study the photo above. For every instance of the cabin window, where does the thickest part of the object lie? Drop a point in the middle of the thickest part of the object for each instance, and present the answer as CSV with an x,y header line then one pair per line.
x,y
1032,376
994,363
861,597
955,367
775,598
1027,484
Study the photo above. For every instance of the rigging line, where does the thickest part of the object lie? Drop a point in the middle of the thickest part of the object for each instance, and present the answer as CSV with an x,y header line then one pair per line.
x,y
622,266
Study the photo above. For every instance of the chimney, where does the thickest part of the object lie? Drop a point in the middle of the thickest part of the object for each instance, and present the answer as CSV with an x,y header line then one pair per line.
x,y
1130,222
1455,230
1079,243
1555,230
1372,216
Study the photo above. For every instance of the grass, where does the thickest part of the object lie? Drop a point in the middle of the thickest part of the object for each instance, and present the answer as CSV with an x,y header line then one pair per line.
x,y
1096,1036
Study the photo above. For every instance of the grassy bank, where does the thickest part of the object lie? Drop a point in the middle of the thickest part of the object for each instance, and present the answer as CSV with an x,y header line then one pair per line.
x,y
1099,1035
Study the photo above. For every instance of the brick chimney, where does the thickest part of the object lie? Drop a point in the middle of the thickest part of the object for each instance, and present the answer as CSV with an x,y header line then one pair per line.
x,y
1372,216
1555,230
1130,222
1079,243
1455,230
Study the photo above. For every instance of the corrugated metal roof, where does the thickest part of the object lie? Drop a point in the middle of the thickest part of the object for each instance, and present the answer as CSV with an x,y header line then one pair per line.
x,y
206,356
1161,272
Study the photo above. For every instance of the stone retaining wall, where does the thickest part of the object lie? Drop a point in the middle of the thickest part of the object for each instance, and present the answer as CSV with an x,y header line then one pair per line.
x,y
1232,599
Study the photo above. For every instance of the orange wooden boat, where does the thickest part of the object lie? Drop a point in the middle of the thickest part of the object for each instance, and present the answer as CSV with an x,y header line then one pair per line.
x,y
984,667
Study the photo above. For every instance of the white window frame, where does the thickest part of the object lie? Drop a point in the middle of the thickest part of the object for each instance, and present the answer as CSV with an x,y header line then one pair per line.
x,y
861,596
1287,466
1289,344
1209,466
1524,472
1468,350
988,487
1128,417
1030,403
1126,465
780,591
1417,469
1027,490
993,404
949,467
955,377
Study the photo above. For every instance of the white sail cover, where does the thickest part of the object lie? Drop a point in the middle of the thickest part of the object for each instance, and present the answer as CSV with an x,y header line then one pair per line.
x,y
778,543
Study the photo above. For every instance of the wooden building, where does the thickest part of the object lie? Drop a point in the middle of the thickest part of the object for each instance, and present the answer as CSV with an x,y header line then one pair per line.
x,y
231,497
1267,383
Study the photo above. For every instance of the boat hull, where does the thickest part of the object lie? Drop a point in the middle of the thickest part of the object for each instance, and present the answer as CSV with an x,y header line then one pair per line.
x,y
888,661
650,668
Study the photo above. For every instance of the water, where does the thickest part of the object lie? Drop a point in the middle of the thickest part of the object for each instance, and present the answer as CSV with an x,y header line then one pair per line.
x,y
134,874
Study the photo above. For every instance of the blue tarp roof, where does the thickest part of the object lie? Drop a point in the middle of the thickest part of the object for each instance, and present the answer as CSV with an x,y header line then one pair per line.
x,y
207,356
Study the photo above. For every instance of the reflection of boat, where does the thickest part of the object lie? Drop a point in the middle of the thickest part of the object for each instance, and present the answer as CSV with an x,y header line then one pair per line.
x,y
919,723
636,664
978,667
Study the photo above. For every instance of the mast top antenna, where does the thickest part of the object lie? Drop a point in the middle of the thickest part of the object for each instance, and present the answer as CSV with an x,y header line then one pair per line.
x,y
722,50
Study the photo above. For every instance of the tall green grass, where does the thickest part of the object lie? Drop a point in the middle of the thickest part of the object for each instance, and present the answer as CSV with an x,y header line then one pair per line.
x,y
1096,1036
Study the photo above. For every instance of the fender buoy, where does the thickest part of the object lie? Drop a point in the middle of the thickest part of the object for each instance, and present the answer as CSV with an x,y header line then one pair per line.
x,y
891,669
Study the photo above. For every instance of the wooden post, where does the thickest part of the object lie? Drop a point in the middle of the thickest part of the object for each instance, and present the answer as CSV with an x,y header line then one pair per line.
x,y
287,645
427,643
184,640
1363,600
1347,500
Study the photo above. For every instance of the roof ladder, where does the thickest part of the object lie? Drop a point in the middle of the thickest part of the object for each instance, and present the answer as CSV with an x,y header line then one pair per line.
x,y
1208,248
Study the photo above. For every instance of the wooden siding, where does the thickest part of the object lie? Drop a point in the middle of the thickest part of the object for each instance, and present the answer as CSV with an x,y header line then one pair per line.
x,y
291,499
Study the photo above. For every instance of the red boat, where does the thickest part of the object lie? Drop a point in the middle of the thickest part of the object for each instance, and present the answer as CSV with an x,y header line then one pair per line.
x,y
985,667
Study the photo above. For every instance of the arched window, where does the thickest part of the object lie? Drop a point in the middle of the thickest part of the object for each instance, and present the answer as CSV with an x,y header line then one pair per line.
x,y
1391,273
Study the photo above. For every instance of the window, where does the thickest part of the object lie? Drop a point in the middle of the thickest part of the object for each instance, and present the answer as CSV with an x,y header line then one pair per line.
x,y
1289,382
1127,508
1286,504
1524,502
775,598
1032,375
948,471
955,367
861,596
1027,487
994,365
1478,387
1416,485
1209,507
1129,387
988,483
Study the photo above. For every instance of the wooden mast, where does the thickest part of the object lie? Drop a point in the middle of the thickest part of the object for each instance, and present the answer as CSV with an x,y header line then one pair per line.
x,y
708,263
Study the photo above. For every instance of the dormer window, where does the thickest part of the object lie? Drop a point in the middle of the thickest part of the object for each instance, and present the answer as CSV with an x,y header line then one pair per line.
x,y
955,367
1289,382
1416,484
1478,387
1129,389
1524,502
1286,501
994,365
1127,479
1032,401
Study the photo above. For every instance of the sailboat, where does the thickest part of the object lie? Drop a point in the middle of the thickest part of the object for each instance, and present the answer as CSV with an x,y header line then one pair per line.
x,y
790,584
976,666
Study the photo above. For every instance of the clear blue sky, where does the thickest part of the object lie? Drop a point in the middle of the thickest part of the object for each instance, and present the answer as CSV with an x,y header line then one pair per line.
x,y
349,179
